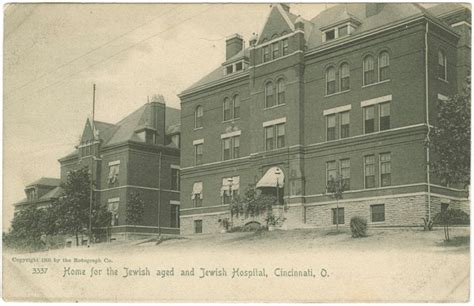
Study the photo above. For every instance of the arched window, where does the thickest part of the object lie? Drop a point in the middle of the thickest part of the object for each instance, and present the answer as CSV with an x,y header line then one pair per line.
x,y
226,109
198,113
344,75
281,92
384,66
236,106
269,96
330,80
442,66
369,70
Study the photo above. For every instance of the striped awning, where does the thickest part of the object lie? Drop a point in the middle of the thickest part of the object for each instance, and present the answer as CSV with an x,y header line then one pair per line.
x,y
273,177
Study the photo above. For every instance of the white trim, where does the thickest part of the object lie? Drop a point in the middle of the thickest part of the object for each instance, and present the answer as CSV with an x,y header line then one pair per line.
x,y
205,207
376,101
231,134
113,200
175,167
173,202
336,110
88,144
442,97
143,226
138,187
461,23
204,214
277,39
198,141
276,59
274,122
113,163
285,16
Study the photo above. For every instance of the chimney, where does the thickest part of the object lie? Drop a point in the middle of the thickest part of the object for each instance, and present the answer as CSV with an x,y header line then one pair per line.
x,y
234,44
372,9
157,116
286,7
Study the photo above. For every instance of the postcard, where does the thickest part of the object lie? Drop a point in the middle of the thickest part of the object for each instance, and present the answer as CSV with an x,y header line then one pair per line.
x,y
236,152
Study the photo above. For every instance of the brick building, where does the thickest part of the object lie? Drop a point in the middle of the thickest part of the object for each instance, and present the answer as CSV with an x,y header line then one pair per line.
x,y
40,193
351,91
139,154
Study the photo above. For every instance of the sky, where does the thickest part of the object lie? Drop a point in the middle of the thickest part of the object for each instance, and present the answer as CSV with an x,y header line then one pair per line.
x,y
54,53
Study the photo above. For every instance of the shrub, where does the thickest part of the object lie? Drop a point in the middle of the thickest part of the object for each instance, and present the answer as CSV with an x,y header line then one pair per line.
x,y
358,227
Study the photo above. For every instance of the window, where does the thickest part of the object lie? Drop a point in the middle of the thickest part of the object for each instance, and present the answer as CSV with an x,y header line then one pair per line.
x,y
275,137
230,188
330,80
331,171
384,66
342,31
197,194
236,147
369,119
330,35
369,171
226,148
229,69
269,139
236,106
175,183
231,147
276,50
281,92
384,116
114,169
369,70
344,77
198,154
385,170
112,207
442,65
338,215
377,212
331,127
285,46
280,131
345,122
174,215
227,110
266,53
198,117
197,226
346,173
269,97
238,66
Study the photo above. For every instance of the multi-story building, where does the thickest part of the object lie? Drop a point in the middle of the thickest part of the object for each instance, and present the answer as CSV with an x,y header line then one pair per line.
x,y
352,91
40,193
139,154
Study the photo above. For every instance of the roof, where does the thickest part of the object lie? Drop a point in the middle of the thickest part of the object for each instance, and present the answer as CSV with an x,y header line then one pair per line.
x,y
444,8
125,129
388,13
52,194
46,181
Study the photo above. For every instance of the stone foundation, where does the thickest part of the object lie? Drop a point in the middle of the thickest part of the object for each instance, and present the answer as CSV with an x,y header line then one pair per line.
x,y
399,211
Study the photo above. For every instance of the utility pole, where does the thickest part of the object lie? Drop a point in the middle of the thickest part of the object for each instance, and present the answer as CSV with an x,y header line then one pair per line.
x,y
92,168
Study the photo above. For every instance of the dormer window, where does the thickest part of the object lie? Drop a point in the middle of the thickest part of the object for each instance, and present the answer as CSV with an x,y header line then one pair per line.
x,y
339,30
330,35
234,67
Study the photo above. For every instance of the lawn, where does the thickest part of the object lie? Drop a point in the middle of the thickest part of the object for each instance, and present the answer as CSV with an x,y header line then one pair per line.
x,y
388,265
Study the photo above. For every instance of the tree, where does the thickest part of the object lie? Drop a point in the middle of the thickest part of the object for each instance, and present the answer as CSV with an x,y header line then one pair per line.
x,y
72,210
252,204
28,227
450,139
335,188
135,209
449,217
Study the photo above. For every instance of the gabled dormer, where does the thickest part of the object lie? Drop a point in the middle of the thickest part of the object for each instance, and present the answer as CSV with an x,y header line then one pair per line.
x,y
89,139
236,58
